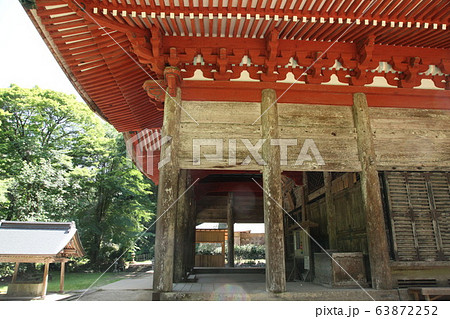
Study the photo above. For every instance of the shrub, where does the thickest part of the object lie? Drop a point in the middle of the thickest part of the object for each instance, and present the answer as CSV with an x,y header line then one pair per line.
x,y
208,249
6,270
250,252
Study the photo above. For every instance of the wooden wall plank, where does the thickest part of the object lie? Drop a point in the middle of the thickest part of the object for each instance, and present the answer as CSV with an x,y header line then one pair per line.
x,y
411,139
330,127
315,115
399,118
350,219
404,139
210,236
206,112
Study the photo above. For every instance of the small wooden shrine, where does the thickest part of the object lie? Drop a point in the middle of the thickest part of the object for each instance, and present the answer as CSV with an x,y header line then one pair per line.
x,y
37,242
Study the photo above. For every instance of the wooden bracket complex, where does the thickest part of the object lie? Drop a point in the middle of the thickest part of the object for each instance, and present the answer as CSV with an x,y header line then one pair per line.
x,y
364,62
222,64
156,88
148,49
365,49
410,68
172,75
271,54
270,58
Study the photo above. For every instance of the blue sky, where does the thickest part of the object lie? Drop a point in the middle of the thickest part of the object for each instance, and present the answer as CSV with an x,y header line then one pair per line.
x,y
24,58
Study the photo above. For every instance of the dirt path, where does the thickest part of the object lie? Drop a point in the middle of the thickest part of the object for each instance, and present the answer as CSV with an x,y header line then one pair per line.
x,y
138,288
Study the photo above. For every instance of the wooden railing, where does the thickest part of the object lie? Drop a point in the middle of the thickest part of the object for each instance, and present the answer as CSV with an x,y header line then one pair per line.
x,y
142,257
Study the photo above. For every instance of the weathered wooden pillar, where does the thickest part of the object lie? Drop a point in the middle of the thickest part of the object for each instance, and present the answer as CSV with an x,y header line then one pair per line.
x,y
273,213
230,230
189,244
16,271
45,279
370,185
192,224
304,199
331,213
61,278
306,218
181,229
167,195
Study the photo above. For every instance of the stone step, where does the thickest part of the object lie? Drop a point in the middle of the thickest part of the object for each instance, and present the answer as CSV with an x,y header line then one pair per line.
x,y
229,270
191,278
331,295
139,267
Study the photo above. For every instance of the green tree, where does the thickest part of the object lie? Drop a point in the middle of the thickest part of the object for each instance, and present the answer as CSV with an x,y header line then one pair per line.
x,y
124,204
60,162
39,131
36,123
38,193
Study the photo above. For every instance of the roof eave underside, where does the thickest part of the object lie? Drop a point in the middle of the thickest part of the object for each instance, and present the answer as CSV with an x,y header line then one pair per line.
x,y
112,85
111,80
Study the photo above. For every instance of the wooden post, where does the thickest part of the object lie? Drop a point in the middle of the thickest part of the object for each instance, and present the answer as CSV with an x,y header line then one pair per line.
x,y
189,244
167,195
370,185
194,234
309,260
304,199
223,252
16,271
45,279
230,230
331,213
192,223
181,229
273,213
61,278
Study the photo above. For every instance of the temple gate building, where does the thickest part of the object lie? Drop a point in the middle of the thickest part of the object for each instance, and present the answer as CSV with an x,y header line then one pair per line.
x,y
320,117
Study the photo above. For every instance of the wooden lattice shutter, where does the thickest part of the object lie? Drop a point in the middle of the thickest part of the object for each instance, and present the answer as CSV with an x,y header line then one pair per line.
x,y
419,205
441,191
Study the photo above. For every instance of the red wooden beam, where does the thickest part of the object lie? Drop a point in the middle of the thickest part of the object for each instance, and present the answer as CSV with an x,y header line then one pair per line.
x,y
315,94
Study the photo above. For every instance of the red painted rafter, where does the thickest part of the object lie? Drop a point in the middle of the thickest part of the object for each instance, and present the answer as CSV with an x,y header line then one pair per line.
x,y
380,11
263,27
444,8
401,9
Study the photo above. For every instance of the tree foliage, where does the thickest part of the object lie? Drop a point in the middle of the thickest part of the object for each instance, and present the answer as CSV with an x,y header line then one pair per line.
x,y
250,251
60,162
